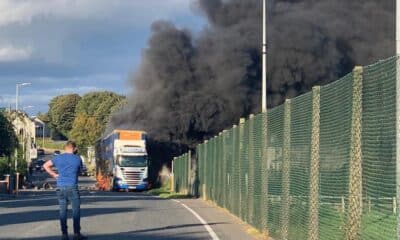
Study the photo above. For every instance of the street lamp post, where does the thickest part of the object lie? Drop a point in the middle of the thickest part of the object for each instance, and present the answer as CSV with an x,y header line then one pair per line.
x,y
264,59
18,85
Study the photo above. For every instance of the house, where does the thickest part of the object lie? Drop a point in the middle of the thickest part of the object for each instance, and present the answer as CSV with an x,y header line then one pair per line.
x,y
42,130
25,129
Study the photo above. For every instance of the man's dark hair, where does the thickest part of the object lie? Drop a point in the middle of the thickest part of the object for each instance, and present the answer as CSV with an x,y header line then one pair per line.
x,y
71,144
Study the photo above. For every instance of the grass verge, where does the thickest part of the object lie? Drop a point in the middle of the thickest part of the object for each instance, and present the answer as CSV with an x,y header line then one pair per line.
x,y
165,192
50,144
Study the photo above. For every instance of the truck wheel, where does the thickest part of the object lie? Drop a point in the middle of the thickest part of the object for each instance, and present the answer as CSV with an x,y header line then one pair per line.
x,y
113,186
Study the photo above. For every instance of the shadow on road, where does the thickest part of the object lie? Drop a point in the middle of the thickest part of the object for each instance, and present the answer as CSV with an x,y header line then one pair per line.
x,y
48,198
146,234
130,235
46,215
174,227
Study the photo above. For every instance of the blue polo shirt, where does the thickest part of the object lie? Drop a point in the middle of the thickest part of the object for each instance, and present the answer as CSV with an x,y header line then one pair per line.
x,y
68,166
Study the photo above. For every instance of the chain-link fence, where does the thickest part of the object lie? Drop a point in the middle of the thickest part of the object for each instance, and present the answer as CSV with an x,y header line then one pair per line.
x,y
320,166
181,170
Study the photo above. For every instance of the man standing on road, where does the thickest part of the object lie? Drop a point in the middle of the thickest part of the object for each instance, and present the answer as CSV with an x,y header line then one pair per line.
x,y
68,166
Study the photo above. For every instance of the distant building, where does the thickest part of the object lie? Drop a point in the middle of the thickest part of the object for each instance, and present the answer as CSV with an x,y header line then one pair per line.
x,y
25,129
41,128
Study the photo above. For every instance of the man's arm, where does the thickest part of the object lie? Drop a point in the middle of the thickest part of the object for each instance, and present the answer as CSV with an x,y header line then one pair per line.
x,y
47,166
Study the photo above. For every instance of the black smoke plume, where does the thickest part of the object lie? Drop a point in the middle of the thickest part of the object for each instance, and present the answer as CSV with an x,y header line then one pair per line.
x,y
190,87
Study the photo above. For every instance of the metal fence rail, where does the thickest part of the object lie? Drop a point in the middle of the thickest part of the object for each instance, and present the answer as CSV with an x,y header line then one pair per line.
x,y
320,166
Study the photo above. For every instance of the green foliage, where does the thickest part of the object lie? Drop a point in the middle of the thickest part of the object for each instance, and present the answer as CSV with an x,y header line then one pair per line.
x,y
9,140
100,105
86,130
62,113
50,144
22,164
4,169
82,119
165,192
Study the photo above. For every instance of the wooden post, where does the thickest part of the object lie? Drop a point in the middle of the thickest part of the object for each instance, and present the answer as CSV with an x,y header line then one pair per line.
x,y
7,179
16,183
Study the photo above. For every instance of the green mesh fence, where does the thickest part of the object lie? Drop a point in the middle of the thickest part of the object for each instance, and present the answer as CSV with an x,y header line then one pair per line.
x,y
320,166
181,174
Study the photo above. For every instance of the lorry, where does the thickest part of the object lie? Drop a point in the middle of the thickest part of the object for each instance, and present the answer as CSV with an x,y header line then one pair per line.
x,y
122,161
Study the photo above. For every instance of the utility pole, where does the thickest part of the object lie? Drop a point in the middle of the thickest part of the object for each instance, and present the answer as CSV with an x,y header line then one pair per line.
x,y
264,59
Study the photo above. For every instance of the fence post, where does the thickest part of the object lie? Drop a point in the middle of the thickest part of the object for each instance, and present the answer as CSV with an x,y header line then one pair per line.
x,y
215,166
220,169
286,171
7,179
190,175
313,225
224,174
173,176
16,183
264,174
205,182
235,172
355,174
241,128
398,134
251,170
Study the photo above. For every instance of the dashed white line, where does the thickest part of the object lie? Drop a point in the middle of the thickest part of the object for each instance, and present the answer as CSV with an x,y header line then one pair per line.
x,y
205,224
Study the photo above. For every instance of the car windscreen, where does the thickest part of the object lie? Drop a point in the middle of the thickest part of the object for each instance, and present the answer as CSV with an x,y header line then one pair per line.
x,y
133,161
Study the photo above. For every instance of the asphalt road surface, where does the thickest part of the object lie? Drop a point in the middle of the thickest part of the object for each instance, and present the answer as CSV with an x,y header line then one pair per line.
x,y
106,215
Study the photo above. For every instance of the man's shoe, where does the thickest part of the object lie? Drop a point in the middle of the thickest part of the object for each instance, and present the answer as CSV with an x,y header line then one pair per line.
x,y
64,237
79,237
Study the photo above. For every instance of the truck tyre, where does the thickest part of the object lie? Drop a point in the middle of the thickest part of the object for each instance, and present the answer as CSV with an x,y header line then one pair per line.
x,y
112,185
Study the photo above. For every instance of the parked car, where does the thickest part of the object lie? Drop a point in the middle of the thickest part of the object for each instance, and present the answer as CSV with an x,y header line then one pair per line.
x,y
57,152
41,152
39,165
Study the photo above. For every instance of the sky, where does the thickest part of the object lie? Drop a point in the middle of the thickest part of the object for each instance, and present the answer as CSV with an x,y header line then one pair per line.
x,y
77,46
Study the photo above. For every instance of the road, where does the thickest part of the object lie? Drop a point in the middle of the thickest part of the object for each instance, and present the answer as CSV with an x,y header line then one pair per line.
x,y
106,215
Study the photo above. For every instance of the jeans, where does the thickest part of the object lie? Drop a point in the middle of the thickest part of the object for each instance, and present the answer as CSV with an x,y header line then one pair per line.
x,y
66,195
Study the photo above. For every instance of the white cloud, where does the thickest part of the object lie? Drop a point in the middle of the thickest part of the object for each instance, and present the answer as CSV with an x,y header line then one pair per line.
x,y
10,54
23,12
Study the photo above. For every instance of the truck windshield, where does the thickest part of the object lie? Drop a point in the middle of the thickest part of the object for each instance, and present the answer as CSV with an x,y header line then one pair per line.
x,y
133,161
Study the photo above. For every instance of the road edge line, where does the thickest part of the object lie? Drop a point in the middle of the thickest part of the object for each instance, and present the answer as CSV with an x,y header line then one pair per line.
x,y
209,229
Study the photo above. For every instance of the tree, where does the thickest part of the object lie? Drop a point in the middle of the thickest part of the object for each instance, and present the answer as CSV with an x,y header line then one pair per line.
x,y
62,113
43,117
100,105
85,131
9,140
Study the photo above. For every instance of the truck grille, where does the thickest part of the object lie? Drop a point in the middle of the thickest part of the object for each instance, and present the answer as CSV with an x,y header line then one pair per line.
x,y
132,178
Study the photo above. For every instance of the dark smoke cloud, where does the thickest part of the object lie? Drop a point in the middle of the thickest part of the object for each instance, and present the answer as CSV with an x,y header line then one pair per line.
x,y
189,88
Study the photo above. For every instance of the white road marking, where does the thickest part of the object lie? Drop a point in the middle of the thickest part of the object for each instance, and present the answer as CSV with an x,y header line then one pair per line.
x,y
205,224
